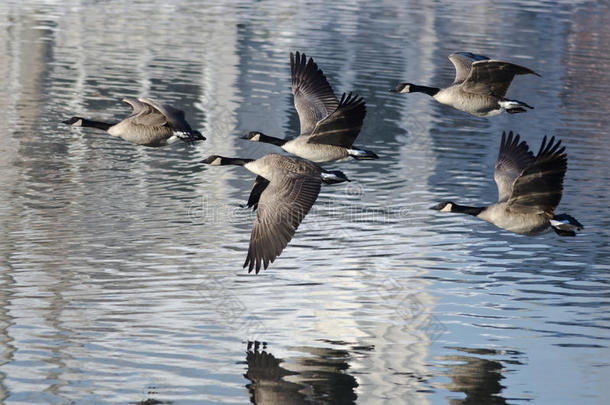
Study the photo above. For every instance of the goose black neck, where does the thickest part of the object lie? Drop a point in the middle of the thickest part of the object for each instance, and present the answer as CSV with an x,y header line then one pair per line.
x,y
234,161
95,124
431,91
272,140
464,209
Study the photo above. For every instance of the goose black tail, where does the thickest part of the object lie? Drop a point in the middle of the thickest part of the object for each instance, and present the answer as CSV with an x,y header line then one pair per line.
x,y
565,225
514,106
360,154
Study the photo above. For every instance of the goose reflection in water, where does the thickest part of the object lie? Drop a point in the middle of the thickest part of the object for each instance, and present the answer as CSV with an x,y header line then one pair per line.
x,y
318,377
477,377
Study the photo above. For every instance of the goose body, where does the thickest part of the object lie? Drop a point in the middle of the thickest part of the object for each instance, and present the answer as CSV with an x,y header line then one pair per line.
x,y
328,126
529,190
479,87
150,124
480,105
315,152
284,191
502,216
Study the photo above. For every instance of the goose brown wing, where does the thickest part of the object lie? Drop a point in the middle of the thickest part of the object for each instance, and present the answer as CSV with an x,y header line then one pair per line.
x,y
173,116
492,77
462,61
539,187
282,206
342,126
514,156
314,99
137,106
144,113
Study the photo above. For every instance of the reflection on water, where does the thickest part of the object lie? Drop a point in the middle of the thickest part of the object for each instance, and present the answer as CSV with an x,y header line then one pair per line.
x,y
268,384
120,266
477,377
320,376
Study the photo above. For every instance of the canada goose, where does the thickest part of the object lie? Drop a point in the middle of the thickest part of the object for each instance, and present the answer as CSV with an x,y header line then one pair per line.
x,y
150,124
284,190
329,127
529,190
479,87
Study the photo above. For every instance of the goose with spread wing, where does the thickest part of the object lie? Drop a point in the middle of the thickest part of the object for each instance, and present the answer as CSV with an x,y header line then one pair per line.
x,y
329,126
479,87
529,190
285,189
150,124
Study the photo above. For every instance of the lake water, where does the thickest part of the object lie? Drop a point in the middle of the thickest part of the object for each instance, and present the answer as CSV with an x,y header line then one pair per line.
x,y
120,266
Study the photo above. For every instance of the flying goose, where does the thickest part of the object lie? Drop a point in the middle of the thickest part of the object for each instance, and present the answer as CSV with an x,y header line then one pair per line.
x,y
479,87
150,124
284,190
529,190
329,126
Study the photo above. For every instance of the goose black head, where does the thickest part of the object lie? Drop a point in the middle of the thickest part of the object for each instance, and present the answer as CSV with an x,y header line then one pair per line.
x,y
74,121
213,160
254,136
402,88
445,206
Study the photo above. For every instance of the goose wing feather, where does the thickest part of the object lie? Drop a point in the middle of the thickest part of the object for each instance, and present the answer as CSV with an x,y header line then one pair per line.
x,y
539,187
342,126
260,184
173,116
314,99
462,61
137,106
492,77
282,206
144,114
514,156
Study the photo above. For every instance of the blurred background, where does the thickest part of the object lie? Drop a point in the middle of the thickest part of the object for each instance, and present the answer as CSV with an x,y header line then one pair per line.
x,y
120,265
